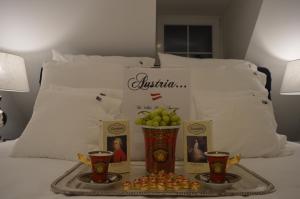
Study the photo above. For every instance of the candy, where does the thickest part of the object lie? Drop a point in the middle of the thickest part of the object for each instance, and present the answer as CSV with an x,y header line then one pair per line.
x,y
161,182
136,184
185,184
152,179
233,160
144,187
169,185
175,186
126,186
195,186
152,185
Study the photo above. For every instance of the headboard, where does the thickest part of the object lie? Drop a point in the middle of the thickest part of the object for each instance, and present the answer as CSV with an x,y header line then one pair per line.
x,y
262,69
268,85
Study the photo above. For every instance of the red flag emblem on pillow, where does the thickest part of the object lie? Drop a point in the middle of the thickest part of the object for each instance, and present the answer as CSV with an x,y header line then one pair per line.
x,y
155,96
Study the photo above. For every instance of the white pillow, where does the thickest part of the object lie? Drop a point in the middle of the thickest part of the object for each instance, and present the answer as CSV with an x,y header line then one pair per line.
x,y
125,61
111,105
113,93
82,75
169,60
110,99
64,122
218,74
243,122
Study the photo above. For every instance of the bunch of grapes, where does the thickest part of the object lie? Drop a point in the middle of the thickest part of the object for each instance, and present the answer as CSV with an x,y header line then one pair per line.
x,y
159,117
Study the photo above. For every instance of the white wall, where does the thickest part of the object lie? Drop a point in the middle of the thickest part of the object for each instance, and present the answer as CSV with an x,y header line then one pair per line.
x,y
191,20
276,40
238,23
30,28
192,7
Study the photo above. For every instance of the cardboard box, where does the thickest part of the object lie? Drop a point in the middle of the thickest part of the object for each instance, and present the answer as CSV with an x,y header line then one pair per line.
x,y
197,141
116,138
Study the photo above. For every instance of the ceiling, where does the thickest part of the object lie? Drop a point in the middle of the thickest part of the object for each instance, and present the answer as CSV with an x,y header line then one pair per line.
x,y
203,7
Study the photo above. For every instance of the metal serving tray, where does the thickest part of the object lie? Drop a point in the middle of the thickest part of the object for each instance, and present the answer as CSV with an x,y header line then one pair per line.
x,y
250,184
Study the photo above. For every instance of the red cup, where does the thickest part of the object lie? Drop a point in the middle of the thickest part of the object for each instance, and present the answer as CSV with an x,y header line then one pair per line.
x,y
100,162
217,161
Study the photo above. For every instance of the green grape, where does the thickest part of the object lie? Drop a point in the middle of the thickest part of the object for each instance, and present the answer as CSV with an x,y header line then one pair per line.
x,y
175,118
162,123
139,121
157,118
153,115
147,116
166,118
156,111
172,113
165,112
173,123
149,123
160,110
155,124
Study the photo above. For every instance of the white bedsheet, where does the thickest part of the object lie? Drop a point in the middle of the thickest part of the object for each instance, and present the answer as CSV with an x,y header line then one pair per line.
x,y
31,177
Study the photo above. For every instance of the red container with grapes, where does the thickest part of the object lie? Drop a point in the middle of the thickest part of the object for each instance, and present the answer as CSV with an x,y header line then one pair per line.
x,y
160,129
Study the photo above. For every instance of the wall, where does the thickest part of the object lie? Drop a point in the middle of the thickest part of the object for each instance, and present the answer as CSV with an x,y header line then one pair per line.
x,y
192,7
238,23
30,28
275,41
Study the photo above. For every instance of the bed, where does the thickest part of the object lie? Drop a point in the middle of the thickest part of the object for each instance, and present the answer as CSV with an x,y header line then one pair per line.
x,y
41,154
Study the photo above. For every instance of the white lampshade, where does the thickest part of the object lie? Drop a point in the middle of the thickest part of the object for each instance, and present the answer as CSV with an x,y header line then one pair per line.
x,y
13,75
291,79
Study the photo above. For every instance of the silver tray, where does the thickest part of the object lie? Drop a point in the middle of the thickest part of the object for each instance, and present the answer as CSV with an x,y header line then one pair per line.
x,y
250,184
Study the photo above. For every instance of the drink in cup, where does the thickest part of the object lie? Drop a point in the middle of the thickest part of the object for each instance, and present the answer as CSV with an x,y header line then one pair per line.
x,y
100,162
217,161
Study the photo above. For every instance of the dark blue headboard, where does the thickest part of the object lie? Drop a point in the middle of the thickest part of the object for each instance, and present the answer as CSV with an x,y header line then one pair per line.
x,y
269,78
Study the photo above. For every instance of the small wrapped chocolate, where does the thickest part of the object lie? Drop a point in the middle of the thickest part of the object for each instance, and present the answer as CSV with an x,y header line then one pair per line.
x,y
161,182
169,185
144,187
126,186
152,185
152,179
176,186
161,186
144,179
195,185
185,184
136,184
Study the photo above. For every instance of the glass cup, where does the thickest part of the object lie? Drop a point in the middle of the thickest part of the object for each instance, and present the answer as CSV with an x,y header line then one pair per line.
x,y
100,162
217,161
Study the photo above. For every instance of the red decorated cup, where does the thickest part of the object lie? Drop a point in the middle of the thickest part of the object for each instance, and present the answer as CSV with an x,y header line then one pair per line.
x,y
100,162
217,161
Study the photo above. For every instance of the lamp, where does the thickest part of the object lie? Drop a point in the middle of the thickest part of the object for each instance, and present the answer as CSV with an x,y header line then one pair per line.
x,y
12,77
291,79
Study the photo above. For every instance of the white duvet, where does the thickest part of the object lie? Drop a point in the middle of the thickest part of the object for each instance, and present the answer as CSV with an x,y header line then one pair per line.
x,y
31,177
